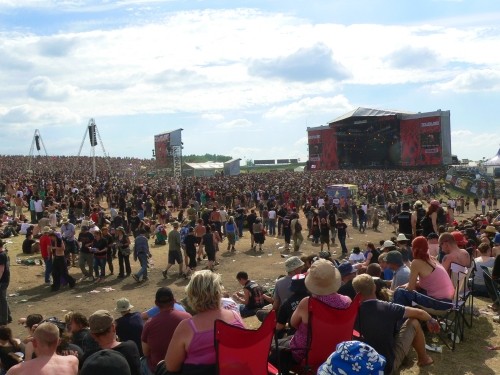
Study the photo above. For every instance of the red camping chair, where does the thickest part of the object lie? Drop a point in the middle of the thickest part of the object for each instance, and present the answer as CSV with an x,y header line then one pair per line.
x,y
327,327
244,351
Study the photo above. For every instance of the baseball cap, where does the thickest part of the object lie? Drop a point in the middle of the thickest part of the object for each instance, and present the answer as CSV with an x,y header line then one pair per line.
x,y
106,361
345,269
100,321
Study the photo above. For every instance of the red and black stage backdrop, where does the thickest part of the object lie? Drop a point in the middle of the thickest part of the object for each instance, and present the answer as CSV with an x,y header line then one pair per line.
x,y
421,141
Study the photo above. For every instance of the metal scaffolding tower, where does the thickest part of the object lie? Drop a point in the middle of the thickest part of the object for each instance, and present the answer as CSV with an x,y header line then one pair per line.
x,y
94,135
36,143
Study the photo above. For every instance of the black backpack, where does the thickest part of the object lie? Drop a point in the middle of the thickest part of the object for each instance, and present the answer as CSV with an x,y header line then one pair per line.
x,y
298,226
426,225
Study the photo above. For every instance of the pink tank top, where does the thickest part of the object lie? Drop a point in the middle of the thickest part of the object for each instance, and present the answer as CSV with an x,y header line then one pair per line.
x,y
201,350
438,283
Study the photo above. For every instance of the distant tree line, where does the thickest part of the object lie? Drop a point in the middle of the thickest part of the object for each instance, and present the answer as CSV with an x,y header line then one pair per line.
x,y
205,158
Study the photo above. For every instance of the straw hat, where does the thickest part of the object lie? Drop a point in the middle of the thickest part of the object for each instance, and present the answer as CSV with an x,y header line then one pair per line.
x,y
323,278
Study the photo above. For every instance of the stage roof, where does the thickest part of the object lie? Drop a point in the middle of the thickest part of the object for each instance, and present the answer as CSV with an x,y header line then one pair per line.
x,y
368,112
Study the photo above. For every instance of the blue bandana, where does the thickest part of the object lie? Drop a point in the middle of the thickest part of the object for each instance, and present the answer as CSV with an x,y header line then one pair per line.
x,y
353,357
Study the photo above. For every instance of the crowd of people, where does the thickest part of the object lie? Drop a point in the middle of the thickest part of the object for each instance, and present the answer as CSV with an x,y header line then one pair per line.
x,y
74,220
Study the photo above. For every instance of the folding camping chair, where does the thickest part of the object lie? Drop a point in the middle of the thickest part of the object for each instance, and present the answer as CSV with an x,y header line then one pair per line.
x,y
466,288
491,286
244,351
452,319
327,327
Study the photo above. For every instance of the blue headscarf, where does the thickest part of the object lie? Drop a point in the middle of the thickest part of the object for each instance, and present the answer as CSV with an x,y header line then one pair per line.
x,y
353,357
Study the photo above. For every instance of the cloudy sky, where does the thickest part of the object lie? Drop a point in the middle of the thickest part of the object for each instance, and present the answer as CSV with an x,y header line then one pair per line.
x,y
242,78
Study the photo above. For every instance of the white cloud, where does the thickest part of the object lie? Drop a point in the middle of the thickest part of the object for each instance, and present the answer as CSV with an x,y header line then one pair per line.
x,y
42,88
25,116
234,124
212,116
472,80
329,106
466,142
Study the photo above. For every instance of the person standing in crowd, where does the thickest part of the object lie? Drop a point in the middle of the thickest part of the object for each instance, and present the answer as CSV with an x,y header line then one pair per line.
x,y
68,235
403,219
122,242
141,252
99,250
5,316
174,250
86,239
342,234
109,249
60,268
46,253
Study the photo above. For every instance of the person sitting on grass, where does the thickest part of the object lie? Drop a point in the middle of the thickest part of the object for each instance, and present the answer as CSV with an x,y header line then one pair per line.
x,y
252,298
378,323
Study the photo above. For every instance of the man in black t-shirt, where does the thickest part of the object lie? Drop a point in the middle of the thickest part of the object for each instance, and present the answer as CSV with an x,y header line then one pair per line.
x,y
85,239
403,219
103,330
379,324
285,312
5,317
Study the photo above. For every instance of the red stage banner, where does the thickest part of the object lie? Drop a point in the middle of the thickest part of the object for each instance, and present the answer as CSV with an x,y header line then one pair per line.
x,y
421,141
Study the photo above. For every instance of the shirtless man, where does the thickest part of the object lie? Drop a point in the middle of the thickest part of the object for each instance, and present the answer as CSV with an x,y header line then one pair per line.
x,y
454,254
47,362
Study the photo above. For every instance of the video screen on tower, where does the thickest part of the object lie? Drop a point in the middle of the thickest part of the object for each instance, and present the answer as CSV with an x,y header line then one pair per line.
x,y
162,147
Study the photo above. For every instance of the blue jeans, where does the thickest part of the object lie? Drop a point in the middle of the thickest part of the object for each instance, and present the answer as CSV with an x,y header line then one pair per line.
x,y
272,226
143,260
406,297
99,265
48,268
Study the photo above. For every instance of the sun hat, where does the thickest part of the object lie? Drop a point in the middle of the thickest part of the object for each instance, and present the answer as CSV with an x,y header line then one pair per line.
x,y
106,361
387,244
353,357
490,229
123,304
65,220
418,204
292,263
323,278
394,257
46,229
401,237
100,321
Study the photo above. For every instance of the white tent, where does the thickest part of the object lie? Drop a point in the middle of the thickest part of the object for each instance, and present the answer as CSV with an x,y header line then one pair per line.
x,y
492,163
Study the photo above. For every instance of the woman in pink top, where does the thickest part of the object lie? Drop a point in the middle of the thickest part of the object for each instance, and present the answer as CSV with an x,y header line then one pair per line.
x,y
428,278
192,344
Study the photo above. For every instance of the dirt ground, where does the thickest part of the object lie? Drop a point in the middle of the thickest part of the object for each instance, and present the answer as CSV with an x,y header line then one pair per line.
x,y
28,294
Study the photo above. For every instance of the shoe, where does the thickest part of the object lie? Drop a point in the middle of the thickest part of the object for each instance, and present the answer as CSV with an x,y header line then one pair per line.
x,y
72,285
54,289
164,273
145,279
120,276
135,278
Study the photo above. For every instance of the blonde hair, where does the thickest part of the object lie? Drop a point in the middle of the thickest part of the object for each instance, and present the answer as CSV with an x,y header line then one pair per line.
x,y
363,284
47,334
204,291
